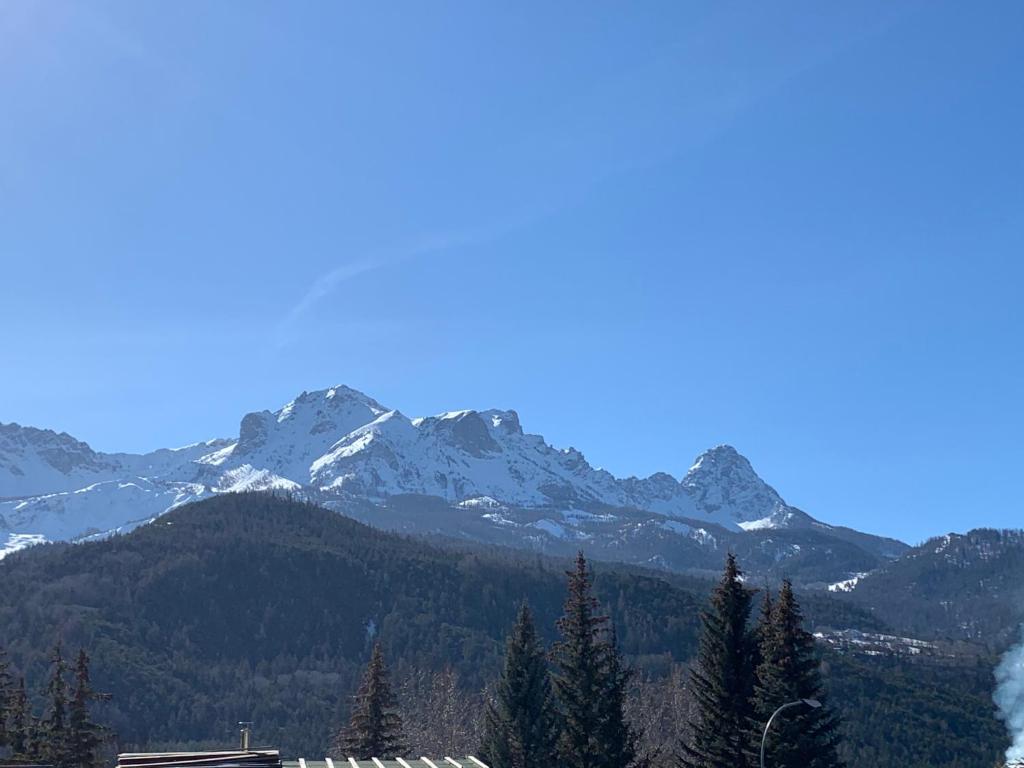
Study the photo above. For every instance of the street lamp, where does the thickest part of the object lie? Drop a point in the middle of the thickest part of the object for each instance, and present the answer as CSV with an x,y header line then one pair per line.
x,y
812,703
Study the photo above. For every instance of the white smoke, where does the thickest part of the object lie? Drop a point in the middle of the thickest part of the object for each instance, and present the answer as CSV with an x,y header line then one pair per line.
x,y
1009,697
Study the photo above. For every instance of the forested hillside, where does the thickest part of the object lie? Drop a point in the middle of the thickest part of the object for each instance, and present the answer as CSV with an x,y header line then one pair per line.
x,y
959,586
254,607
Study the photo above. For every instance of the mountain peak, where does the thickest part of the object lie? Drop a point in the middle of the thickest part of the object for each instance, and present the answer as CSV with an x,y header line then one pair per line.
x,y
720,453
722,480
331,398
290,439
342,391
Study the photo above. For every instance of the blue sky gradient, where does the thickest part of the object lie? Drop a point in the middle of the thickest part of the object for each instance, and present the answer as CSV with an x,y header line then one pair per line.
x,y
648,227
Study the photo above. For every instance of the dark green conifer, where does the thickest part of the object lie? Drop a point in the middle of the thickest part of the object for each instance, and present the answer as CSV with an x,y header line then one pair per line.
x,y
800,737
723,679
375,727
590,683
84,737
764,625
621,740
6,699
521,727
19,722
53,729
36,747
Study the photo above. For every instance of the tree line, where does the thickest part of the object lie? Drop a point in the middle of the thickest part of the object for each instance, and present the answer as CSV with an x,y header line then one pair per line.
x,y
569,705
63,735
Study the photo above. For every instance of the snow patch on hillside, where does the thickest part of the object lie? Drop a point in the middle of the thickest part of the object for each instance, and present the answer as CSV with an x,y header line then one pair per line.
x,y
18,541
847,585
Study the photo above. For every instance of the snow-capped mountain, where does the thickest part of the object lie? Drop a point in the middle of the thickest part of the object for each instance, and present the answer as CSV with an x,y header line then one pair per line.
x,y
34,461
346,450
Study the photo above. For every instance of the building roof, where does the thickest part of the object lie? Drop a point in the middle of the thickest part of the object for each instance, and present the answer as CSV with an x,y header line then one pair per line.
x,y
392,762
255,758
267,758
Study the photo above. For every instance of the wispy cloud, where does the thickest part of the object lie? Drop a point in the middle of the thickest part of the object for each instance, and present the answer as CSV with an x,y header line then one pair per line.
x,y
329,282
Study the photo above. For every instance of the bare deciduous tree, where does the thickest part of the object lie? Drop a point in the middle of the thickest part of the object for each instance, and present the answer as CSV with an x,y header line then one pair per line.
x,y
660,709
440,716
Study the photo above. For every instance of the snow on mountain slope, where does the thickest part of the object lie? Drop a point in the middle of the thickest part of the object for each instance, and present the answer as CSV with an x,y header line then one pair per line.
x,y
35,461
11,543
165,461
464,455
339,444
97,508
287,442
458,456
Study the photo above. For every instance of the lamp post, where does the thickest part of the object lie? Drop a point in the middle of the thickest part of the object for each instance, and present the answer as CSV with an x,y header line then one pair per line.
x,y
812,703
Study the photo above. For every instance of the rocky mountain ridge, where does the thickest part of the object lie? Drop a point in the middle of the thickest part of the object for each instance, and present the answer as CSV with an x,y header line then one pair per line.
x,y
471,474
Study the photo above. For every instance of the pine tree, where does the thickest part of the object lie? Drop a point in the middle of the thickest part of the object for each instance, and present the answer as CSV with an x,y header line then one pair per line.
x,y
375,728
36,744
84,736
6,699
764,625
621,740
521,728
800,737
19,722
723,679
590,683
53,729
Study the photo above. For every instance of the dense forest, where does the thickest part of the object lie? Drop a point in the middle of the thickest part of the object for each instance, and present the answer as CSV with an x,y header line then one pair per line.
x,y
62,734
959,586
255,607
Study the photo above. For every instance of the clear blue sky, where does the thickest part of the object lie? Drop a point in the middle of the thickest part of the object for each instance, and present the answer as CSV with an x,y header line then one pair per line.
x,y
649,227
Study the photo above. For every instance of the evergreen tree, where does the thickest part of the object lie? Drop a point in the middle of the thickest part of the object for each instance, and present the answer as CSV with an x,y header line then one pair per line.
x,y
764,624
521,728
800,737
53,729
375,728
19,722
84,736
621,740
590,683
36,744
6,699
723,679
